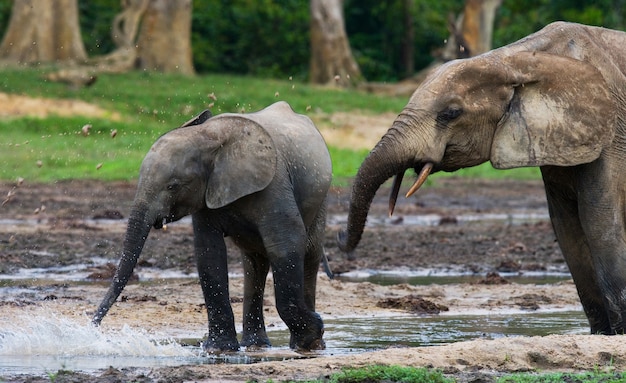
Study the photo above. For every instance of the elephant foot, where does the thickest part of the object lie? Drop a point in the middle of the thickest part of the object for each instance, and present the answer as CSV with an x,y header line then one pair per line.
x,y
218,346
255,341
308,338
307,345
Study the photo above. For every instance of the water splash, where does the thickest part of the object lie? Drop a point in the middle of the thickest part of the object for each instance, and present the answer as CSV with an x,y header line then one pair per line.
x,y
56,336
37,344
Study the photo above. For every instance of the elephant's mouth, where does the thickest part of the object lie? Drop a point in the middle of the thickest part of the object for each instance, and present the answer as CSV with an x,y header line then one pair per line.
x,y
423,173
160,222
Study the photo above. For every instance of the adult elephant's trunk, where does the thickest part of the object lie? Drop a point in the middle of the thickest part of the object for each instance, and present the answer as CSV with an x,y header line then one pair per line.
x,y
390,157
137,231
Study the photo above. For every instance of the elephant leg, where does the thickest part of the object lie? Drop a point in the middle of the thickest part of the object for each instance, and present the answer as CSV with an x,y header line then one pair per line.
x,y
602,212
573,244
213,274
313,257
255,268
588,217
285,241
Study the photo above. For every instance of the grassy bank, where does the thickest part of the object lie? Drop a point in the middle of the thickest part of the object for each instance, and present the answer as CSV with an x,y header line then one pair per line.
x,y
392,374
138,107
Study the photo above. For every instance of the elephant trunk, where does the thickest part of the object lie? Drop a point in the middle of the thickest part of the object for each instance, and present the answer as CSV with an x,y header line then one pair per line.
x,y
137,231
390,157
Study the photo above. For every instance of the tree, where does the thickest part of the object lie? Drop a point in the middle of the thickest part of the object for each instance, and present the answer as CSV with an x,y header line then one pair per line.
x,y
164,42
472,32
36,35
154,35
331,57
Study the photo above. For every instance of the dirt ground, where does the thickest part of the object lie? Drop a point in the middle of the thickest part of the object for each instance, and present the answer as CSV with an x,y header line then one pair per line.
x,y
62,224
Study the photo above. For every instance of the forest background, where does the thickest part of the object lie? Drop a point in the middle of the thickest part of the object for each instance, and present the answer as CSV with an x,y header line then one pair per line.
x,y
271,38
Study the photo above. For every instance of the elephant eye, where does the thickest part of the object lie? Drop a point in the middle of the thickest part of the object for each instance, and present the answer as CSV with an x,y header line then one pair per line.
x,y
449,114
173,186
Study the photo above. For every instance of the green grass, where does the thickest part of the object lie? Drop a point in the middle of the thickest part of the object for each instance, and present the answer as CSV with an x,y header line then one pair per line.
x,y
149,104
588,377
374,373
390,374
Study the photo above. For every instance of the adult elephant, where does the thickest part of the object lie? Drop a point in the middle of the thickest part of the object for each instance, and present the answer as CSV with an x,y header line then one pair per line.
x,y
259,178
555,99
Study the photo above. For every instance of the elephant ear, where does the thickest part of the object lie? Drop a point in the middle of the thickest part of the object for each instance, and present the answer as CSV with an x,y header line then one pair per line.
x,y
561,113
244,163
199,119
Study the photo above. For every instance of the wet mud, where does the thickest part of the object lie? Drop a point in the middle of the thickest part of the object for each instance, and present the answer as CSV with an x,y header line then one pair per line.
x,y
71,223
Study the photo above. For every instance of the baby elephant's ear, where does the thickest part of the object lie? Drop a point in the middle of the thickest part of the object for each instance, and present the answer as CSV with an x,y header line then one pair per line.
x,y
199,119
562,113
244,163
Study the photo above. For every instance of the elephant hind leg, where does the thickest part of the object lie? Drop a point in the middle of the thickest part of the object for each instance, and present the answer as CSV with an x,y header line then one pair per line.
x,y
313,257
256,267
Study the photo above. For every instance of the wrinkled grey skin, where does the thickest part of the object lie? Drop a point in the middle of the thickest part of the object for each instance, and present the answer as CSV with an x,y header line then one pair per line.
x,y
259,178
555,99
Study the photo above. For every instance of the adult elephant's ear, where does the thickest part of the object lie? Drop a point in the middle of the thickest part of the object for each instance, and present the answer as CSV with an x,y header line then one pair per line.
x,y
244,163
561,113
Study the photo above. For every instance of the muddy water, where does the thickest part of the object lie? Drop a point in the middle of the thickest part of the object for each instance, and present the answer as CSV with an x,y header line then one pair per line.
x,y
428,277
38,345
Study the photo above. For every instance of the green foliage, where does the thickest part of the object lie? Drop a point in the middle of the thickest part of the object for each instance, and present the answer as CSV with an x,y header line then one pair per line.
x,y
5,13
589,377
96,18
258,37
346,162
389,374
55,148
516,19
140,107
487,171
373,374
376,31
270,38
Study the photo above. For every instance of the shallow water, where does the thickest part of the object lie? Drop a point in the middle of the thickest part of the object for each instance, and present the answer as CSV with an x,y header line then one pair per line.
x,y
41,345
37,345
444,277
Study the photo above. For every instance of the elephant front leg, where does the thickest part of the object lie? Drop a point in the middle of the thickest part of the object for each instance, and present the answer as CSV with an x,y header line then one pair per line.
x,y
213,274
572,240
256,268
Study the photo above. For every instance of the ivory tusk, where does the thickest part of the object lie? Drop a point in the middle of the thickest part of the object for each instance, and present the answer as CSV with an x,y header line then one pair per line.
x,y
395,188
420,179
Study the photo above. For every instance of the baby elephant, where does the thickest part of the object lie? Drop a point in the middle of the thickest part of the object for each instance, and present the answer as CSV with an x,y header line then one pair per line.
x,y
259,178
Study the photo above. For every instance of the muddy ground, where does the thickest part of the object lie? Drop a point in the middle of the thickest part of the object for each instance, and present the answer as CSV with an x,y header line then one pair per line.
x,y
79,222
64,226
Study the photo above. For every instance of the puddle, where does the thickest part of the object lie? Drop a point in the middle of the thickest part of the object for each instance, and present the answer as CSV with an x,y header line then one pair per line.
x,y
516,218
436,219
445,277
46,343
40,345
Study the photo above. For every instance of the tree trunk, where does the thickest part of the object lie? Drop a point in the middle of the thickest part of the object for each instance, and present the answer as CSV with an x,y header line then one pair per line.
x,y
477,27
164,42
43,31
472,32
331,57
